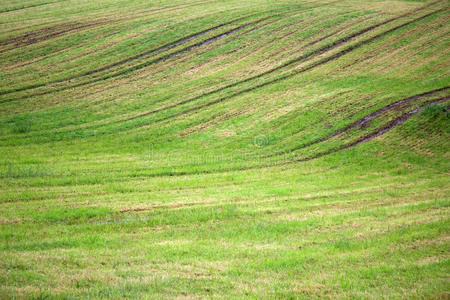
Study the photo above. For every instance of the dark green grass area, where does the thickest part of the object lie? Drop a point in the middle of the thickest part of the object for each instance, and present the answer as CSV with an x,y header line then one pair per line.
x,y
224,149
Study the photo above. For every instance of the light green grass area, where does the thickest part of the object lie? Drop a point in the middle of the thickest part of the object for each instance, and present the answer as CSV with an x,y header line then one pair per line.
x,y
224,149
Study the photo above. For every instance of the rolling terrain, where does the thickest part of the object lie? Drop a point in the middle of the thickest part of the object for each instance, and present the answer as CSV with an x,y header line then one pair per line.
x,y
224,149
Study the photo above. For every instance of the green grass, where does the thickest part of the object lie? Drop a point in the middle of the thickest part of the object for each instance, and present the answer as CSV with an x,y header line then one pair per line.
x,y
224,165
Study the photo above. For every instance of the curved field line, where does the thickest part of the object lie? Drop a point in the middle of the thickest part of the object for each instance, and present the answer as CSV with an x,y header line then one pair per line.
x,y
142,55
234,37
37,32
133,68
311,43
193,36
219,89
153,51
287,76
289,63
152,12
117,63
307,68
25,40
364,120
380,131
143,65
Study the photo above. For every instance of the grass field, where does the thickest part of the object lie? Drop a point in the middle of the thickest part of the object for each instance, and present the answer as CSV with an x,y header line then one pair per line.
x,y
224,149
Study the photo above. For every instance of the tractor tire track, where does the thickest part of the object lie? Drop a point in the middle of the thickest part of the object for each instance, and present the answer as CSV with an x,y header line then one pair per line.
x,y
25,41
288,63
134,68
328,35
133,58
153,51
391,125
240,34
61,51
102,35
157,50
36,33
363,121
366,138
61,26
308,68
318,51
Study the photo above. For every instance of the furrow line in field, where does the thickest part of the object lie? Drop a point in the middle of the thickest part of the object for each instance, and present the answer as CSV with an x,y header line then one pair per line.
x,y
36,39
323,61
143,65
283,77
37,33
240,34
121,62
208,93
366,119
133,68
380,131
312,54
116,20
191,37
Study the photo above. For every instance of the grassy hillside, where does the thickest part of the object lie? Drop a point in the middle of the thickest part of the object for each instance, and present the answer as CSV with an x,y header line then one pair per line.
x,y
224,149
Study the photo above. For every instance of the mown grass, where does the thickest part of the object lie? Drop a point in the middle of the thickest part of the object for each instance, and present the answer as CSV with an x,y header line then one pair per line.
x,y
224,168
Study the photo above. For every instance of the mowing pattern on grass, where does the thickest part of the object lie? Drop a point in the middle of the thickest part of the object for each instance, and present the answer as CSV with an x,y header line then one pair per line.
x,y
280,149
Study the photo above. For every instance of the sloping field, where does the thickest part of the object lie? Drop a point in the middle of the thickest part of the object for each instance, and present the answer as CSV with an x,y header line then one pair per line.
x,y
224,149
